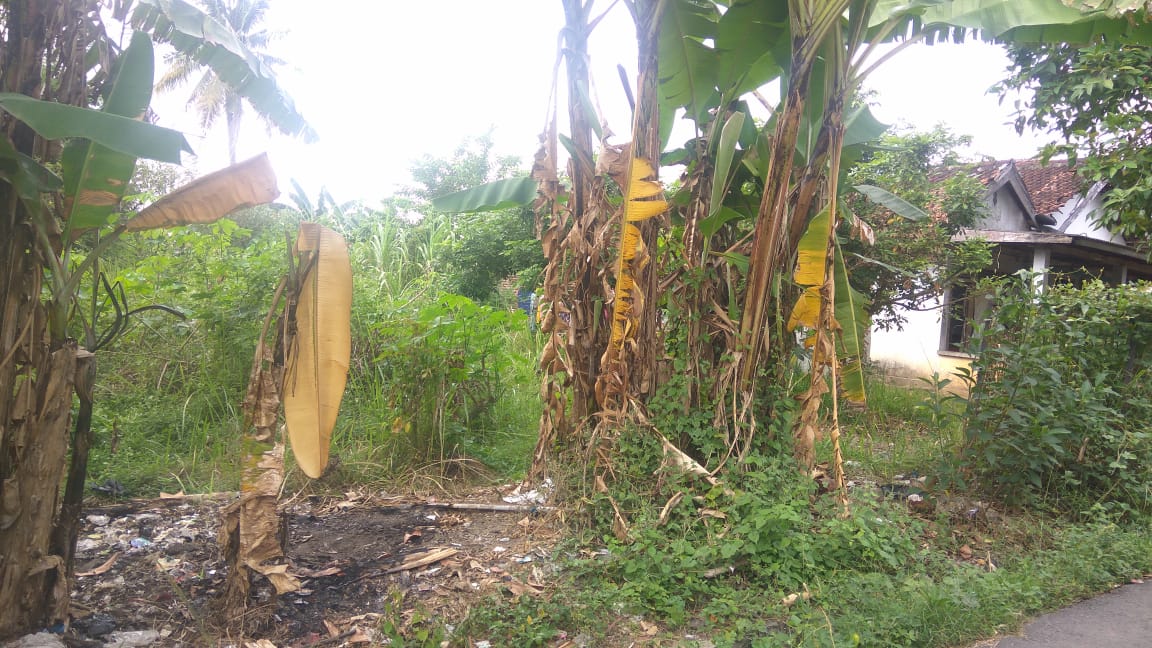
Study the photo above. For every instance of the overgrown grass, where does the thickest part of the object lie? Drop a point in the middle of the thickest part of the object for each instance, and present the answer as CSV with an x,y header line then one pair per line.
x,y
717,566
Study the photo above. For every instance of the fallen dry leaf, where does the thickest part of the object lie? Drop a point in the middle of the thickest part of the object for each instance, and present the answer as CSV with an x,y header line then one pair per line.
x,y
308,573
965,552
422,559
518,589
103,567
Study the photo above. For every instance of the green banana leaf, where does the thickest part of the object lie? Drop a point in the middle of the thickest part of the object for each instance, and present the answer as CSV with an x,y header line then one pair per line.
x,y
195,33
887,199
851,313
725,150
95,176
57,121
26,175
501,194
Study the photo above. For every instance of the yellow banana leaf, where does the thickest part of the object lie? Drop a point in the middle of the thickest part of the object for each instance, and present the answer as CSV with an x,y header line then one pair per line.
x,y
638,206
852,316
208,199
811,265
317,366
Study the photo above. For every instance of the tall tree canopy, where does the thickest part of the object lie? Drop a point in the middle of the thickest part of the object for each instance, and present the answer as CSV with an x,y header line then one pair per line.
x,y
911,260
1097,100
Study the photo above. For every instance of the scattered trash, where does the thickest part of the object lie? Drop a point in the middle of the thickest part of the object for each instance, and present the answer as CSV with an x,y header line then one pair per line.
x,y
38,640
499,550
538,495
140,543
791,599
109,487
132,638
483,644
95,626
97,520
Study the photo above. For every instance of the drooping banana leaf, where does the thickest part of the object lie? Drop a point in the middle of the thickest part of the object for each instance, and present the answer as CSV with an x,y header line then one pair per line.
x,y
95,176
811,268
317,368
501,194
852,316
212,197
57,121
640,204
212,44
891,201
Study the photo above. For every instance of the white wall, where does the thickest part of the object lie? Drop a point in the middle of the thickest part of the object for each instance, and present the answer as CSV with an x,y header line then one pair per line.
x,y
1004,212
1082,220
915,350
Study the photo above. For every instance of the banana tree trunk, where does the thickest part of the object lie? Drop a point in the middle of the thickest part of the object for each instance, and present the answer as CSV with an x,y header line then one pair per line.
x,y
36,384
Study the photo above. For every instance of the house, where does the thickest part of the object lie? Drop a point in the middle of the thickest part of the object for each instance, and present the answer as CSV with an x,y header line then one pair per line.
x,y
1038,219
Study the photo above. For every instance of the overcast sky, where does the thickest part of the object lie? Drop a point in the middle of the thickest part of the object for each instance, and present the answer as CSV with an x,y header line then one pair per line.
x,y
385,82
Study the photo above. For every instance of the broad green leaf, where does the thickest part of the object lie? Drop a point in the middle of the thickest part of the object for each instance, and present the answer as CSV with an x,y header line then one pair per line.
x,y
852,316
501,194
212,44
811,271
893,202
725,150
736,259
752,45
1020,21
687,65
589,110
861,126
26,175
95,176
57,121
709,226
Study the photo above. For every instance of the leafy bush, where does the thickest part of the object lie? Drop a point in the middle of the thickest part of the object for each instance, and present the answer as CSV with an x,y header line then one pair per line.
x,y
437,369
1059,409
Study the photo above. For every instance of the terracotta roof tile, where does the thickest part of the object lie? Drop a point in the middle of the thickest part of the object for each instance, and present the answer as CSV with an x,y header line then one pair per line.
x,y
1050,187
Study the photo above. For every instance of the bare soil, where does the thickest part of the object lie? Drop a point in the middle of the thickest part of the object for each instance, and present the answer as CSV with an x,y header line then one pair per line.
x,y
154,565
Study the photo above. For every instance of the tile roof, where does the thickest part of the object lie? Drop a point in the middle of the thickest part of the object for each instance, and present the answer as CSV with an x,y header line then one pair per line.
x,y
1050,187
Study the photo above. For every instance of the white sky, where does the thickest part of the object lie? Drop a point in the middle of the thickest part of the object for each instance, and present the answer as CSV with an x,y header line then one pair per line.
x,y
386,81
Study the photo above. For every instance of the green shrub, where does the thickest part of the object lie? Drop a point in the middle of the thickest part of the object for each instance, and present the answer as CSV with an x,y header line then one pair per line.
x,y
436,370
1058,413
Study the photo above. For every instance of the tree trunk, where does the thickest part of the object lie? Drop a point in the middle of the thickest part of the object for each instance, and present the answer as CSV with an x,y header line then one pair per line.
x,y
36,384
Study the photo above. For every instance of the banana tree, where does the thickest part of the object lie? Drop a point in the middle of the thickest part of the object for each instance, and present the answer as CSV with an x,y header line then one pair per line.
x,y
300,365
52,231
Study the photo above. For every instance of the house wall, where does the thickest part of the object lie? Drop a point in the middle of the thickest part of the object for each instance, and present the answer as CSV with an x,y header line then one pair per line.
x,y
903,356
1005,213
1082,220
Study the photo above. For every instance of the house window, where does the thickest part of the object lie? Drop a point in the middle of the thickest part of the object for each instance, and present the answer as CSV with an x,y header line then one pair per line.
x,y
959,313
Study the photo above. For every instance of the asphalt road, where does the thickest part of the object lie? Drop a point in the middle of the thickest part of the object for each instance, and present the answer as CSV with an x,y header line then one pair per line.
x,y
1121,618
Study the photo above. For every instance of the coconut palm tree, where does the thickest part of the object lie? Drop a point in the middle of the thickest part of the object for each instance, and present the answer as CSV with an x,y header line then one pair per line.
x,y
211,96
